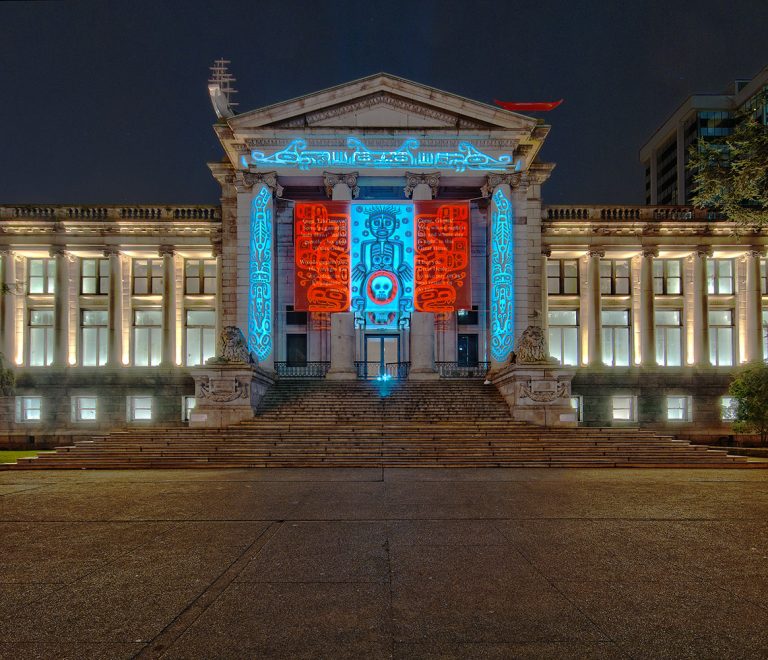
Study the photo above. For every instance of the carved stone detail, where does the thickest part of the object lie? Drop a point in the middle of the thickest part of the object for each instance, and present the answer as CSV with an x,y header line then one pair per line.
x,y
541,395
413,179
596,252
531,348
245,181
650,251
58,251
331,179
231,348
239,390
493,179
704,250
166,250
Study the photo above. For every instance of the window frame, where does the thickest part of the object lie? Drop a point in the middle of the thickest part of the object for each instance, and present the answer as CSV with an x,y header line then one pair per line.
x,y
660,330
49,335
131,408
714,336
149,328
186,410
714,265
21,409
102,334
200,277
562,278
665,277
728,410
201,339
77,410
686,408
100,280
613,278
628,327
48,276
561,343
632,408
150,276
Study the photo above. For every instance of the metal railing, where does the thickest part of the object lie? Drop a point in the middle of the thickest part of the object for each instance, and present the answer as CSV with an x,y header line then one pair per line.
x,y
379,371
306,370
456,370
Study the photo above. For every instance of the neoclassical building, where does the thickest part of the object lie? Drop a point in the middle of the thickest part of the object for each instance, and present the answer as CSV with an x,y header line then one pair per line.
x,y
382,227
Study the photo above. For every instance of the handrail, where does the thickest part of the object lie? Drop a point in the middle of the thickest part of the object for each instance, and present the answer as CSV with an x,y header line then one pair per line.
x,y
379,371
456,370
306,370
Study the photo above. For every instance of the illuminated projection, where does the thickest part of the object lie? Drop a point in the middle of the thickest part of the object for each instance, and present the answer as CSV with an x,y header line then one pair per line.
x,y
382,262
260,276
502,278
466,157
321,256
442,257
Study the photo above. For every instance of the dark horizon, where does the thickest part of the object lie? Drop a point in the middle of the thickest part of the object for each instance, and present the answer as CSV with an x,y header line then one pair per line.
x,y
108,103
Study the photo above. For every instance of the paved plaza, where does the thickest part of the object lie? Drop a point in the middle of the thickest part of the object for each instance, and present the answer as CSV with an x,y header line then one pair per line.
x,y
378,564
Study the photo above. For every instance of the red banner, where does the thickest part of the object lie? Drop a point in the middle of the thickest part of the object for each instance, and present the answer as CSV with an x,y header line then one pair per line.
x,y
442,259
321,231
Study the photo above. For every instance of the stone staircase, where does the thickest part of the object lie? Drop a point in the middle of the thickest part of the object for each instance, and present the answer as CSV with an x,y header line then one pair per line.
x,y
446,423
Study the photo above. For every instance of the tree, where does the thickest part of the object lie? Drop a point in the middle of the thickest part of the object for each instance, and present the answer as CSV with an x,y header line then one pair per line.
x,y
750,390
732,176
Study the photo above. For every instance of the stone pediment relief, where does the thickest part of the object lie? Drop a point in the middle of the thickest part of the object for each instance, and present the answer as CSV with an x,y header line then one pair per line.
x,y
381,110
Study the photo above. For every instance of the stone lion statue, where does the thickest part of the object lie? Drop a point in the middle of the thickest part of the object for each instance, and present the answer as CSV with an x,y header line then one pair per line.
x,y
231,347
532,347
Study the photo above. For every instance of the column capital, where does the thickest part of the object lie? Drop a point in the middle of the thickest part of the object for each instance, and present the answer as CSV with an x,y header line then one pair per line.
x,y
596,252
703,250
493,180
166,250
756,251
111,251
546,251
6,250
331,179
413,179
245,181
58,251
650,251
216,249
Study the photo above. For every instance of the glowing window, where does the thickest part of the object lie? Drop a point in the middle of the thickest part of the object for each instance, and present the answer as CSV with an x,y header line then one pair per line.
x,y
577,403
728,408
667,277
93,338
139,408
720,276
614,277
564,336
200,335
616,345
187,406
41,275
623,408
199,276
40,348
669,337
147,337
147,277
721,337
679,408
562,277
84,408
94,276
29,408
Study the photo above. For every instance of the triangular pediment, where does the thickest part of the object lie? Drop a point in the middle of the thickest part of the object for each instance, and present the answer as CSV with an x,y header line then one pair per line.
x,y
379,102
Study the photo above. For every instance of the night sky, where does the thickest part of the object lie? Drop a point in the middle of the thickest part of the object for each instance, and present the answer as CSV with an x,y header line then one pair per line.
x,y
107,103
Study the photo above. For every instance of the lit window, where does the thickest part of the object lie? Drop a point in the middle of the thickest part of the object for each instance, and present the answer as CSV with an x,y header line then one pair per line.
x,y
765,334
199,276
720,276
728,408
577,404
467,316
616,348
187,406
667,277
614,277
679,409
94,277
139,408
147,277
669,337
562,277
84,408
763,277
29,408
201,335
721,337
623,408
93,336
42,275
564,336
40,349
147,337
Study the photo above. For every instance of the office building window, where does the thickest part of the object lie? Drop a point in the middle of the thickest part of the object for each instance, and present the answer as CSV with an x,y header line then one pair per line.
x,y
84,408
728,408
562,277
564,336
614,277
467,316
199,276
720,276
623,408
669,337
93,338
29,408
679,408
147,337
187,406
147,277
721,337
94,277
42,276
667,277
139,408
616,346
40,348
201,335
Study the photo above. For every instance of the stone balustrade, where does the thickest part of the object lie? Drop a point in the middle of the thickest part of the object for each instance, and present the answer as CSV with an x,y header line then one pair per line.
x,y
108,213
629,213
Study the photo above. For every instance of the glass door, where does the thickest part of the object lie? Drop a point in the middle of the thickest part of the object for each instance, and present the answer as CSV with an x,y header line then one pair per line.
x,y
381,350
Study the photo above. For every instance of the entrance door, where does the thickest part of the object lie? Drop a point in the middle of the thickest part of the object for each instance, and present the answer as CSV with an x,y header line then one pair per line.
x,y
467,350
381,350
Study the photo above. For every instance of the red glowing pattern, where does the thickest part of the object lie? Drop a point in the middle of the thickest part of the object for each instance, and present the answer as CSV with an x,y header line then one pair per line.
x,y
321,231
442,260
521,106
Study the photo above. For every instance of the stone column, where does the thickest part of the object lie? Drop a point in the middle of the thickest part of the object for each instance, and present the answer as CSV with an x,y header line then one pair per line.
x,y
701,307
114,309
421,186
342,347
8,309
61,308
169,306
754,306
422,347
219,290
545,254
647,308
341,187
595,309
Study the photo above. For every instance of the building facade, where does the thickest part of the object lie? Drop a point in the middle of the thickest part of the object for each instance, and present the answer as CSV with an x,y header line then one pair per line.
x,y
409,220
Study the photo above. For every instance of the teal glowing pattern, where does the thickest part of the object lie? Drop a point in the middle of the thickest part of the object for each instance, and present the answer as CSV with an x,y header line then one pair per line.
x,y
502,278
260,277
466,157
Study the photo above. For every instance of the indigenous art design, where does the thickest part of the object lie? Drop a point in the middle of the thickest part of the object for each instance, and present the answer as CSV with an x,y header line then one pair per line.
x,y
321,256
466,157
442,257
502,278
260,276
382,262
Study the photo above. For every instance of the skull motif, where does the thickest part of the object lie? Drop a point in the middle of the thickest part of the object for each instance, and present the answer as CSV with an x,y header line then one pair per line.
x,y
382,288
